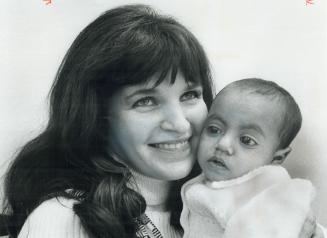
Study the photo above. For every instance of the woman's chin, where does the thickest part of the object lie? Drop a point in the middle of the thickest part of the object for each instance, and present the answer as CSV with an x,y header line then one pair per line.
x,y
178,171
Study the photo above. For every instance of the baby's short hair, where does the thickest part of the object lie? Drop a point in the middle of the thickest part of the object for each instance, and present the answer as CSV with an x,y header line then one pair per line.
x,y
292,120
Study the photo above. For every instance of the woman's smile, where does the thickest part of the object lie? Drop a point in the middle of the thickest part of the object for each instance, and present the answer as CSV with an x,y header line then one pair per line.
x,y
180,144
172,146
175,150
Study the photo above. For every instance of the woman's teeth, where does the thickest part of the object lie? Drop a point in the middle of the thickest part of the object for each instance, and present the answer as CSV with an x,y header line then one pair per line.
x,y
171,146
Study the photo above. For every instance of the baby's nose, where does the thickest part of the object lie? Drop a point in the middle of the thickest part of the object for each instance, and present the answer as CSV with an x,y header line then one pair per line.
x,y
225,144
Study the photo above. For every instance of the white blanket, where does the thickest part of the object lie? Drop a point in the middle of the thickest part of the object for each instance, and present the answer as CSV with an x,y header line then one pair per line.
x,y
263,203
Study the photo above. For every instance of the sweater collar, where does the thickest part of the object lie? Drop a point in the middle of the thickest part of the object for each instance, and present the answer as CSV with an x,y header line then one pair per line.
x,y
154,191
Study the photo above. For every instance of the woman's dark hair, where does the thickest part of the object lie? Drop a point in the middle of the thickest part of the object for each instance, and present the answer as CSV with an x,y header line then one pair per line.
x,y
124,46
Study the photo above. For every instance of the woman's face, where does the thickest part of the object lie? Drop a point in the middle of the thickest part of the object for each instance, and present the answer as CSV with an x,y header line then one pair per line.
x,y
155,130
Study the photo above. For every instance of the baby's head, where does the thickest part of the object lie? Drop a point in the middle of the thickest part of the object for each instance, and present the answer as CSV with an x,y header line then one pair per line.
x,y
251,123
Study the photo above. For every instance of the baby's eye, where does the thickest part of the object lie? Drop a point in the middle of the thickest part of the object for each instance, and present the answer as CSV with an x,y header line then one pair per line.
x,y
144,102
246,140
214,130
190,95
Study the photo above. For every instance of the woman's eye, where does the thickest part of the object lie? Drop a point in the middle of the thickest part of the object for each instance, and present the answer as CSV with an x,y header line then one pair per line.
x,y
144,102
190,95
214,130
246,140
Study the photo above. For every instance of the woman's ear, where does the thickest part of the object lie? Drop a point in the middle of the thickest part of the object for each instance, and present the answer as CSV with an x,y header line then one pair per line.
x,y
280,155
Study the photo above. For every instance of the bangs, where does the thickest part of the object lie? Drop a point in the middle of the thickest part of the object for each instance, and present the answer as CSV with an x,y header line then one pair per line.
x,y
161,49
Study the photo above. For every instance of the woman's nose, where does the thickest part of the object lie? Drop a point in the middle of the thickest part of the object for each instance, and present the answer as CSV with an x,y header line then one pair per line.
x,y
225,144
175,120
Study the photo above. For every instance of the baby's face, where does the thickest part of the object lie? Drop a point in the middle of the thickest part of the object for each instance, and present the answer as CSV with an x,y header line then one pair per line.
x,y
239,135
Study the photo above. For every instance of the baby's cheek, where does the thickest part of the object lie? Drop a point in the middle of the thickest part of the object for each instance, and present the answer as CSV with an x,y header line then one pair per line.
x,y
203,148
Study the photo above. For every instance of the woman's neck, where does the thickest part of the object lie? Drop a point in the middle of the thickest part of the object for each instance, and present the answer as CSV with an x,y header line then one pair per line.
x,y
154,191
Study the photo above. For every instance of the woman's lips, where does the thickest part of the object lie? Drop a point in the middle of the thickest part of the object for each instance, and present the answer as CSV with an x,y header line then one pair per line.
x,y
172,145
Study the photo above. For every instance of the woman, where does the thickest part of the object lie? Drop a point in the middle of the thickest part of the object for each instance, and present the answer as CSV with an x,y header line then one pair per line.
x,y
127,108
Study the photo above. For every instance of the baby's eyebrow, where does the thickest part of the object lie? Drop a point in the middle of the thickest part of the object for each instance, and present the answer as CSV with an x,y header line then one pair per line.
x,y
253,127
215,117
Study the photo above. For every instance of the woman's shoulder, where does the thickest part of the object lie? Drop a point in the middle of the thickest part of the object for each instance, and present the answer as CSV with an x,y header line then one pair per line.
x,y
53,218
58,207
56,204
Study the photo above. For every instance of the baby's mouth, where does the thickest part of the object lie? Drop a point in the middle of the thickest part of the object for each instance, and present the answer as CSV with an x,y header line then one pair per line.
x,y
217,162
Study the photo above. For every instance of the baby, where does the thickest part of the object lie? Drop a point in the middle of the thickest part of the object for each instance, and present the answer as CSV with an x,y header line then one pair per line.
x,y
249,128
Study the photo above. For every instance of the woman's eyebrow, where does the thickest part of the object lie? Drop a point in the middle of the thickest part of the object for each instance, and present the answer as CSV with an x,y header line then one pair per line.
x,y
153,90
192,86
141,91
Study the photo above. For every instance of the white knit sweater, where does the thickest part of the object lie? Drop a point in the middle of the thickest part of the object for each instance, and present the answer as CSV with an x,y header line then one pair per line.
x,y
55,217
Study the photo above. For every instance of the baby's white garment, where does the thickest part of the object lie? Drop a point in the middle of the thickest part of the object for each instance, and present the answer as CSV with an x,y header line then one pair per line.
x,y
263,203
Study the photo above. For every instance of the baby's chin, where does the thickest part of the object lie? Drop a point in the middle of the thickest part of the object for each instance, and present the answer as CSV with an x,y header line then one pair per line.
x,y
217,177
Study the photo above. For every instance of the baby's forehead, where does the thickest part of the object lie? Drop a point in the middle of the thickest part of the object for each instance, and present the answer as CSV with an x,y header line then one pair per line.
x,y
237,94
235,101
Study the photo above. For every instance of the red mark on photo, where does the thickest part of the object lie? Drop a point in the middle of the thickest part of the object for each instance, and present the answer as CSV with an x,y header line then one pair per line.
x,y
47,2
309,2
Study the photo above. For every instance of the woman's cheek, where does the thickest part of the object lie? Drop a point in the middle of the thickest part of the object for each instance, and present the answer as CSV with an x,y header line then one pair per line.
x,y
197,117
200,114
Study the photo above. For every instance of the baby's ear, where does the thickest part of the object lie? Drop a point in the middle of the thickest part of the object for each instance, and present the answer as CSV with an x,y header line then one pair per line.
x,y
280,155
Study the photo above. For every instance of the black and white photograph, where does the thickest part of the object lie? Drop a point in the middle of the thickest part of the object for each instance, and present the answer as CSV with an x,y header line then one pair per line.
x,y
163,119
